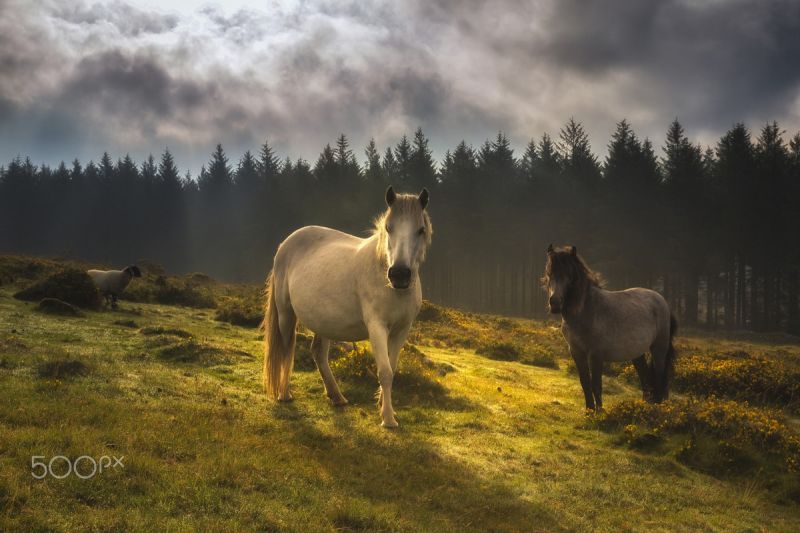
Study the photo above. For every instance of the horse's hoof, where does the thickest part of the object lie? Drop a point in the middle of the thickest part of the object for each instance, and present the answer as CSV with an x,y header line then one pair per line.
x,y
339,402
286,398
390,424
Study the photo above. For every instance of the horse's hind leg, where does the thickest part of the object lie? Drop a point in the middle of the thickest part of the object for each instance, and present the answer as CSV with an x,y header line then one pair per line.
x,y
597,381
319,350
287,324
645,377
659,352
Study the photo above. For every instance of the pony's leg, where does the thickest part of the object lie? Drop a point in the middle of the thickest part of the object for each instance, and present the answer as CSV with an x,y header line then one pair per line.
x,y
597,381
582,364
319,350
645,378
379,337
396,341
659,353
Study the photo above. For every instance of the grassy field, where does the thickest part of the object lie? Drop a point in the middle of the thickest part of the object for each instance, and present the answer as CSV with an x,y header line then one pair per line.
x,y
492,437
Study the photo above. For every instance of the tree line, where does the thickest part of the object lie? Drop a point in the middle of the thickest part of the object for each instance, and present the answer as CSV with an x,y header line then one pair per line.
x,y
714,229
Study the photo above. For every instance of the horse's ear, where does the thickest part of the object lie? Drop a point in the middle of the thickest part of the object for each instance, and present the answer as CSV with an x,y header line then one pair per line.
x,y
424,197
390,196
574,250
550,249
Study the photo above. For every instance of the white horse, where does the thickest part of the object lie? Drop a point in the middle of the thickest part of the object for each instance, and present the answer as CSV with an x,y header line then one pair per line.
x,y
345,288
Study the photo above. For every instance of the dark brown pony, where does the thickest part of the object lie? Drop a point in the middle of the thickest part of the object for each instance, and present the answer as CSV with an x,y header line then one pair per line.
x,y
601,325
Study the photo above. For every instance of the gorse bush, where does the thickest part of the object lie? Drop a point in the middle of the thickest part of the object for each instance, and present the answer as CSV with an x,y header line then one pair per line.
x,y
170,291
68,285
753,379
732,423
736,375
240,312
415,372
500,351
14,268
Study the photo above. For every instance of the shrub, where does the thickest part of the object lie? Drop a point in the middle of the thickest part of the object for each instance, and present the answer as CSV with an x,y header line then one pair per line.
x,y
728,422
169,291
16,267
304,360
540,358
240,312
415,372
430,312
499,350
68,285
760,380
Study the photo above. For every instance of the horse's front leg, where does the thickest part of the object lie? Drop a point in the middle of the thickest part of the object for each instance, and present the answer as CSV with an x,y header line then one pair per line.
x,y
582,364
597,380
379,339
396,342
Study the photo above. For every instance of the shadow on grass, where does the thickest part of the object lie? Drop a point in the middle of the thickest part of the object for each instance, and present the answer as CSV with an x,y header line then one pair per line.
x,y
397,481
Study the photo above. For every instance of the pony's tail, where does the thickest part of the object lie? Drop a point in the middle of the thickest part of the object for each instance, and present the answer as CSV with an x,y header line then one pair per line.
x,y
278,354
669,361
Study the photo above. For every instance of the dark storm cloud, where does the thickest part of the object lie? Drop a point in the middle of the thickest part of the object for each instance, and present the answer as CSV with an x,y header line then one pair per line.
x,y
79,78
715,61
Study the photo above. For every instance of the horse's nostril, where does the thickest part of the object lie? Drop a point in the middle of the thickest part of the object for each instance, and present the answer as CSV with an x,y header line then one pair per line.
x,y
399,272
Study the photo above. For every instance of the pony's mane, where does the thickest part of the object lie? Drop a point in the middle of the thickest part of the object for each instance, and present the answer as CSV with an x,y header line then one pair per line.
x,y
562,263
404,204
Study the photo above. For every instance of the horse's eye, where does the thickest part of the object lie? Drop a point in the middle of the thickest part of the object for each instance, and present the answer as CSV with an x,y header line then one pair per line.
x,y
421,231
388,228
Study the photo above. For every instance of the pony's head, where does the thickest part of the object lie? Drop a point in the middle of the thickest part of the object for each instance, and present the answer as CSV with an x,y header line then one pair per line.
x,y
404,234
567,280
133,271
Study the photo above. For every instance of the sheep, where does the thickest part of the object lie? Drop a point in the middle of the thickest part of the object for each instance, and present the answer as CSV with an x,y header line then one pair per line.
x,y
111,283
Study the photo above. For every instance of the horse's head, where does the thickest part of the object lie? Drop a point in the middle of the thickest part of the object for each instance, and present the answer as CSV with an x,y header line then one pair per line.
x,y
405,233
566,279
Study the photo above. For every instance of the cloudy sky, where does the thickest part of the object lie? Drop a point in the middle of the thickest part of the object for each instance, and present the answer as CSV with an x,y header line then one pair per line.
x,y
78,78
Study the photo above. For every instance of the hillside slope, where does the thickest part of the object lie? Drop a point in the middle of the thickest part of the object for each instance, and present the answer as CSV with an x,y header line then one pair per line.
x,y
484,444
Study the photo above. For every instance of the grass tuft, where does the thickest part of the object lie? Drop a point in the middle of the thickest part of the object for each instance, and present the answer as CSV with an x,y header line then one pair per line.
x,y
54,306
162,330
62,369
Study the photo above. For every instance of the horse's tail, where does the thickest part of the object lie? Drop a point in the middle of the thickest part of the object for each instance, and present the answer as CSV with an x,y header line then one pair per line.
x,y
669,360
278,352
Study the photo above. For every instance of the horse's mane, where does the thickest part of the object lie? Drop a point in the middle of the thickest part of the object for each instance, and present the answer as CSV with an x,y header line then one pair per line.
x,y
404,204
564,263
